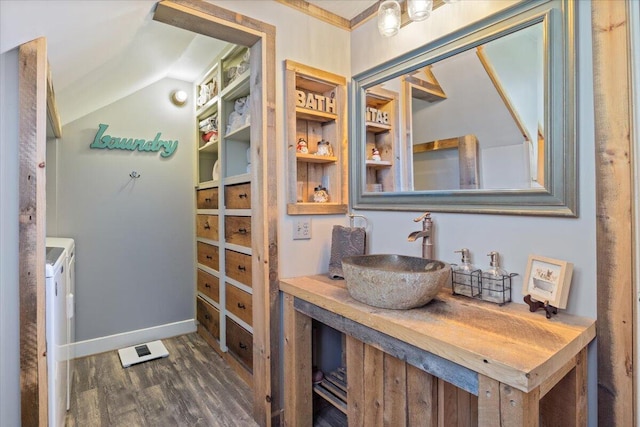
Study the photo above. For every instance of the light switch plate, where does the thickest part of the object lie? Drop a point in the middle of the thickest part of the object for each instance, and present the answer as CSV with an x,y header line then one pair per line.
x,y
301,228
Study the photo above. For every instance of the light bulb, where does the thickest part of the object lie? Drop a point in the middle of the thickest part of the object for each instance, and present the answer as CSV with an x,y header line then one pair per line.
x,y
179,97
450,1
419,10
389,18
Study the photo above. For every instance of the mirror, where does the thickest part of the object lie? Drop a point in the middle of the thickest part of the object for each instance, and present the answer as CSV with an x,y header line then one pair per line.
x,y
481,120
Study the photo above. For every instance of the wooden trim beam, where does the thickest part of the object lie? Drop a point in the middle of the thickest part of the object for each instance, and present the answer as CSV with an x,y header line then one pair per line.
x,y
614,195
438,144
32,89
52,107
318,12
344,23
493,76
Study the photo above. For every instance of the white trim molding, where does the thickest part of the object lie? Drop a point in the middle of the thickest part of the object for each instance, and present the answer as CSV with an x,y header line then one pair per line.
x,y
125,339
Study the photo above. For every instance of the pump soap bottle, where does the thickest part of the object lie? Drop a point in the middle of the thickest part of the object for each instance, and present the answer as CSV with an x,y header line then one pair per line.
x,y
465,277
494,281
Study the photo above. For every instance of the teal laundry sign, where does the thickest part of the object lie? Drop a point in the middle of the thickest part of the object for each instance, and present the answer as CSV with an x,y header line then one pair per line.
x,y
103,141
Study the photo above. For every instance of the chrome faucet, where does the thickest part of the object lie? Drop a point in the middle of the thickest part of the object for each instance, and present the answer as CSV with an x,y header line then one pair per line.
x,y
426,233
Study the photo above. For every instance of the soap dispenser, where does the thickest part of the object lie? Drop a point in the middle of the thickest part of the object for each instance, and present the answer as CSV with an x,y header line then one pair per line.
x,y
465,277
494,281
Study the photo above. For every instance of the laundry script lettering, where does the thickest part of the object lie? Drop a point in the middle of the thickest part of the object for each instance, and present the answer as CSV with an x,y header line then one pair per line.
x,y
102,141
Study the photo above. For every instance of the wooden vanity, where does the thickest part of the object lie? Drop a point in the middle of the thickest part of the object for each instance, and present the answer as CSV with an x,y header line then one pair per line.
x,y
455,361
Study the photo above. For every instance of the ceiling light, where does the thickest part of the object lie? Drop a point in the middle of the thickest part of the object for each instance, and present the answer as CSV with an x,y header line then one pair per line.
x,y
419,10
389,18
179,97
450,1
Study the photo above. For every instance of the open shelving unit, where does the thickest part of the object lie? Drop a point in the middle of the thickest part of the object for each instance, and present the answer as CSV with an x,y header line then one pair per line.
x,y
381,124
224,212
316,108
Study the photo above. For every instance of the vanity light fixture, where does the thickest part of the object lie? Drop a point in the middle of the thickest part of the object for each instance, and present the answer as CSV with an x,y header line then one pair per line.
x,y
389,18
179,97
419,10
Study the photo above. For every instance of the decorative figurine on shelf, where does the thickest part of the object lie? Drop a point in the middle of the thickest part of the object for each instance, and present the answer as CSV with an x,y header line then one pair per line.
x,y
320,194
375,155
324,148
240,116
301,147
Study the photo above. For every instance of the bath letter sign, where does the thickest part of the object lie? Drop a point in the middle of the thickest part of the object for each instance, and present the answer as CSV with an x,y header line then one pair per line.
x,y
313,101
166,148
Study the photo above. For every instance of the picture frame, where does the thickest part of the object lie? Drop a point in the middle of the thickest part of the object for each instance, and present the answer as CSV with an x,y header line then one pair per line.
x,y
548,280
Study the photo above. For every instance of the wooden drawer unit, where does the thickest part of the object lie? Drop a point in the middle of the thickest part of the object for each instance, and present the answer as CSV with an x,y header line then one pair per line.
x,y
240,343
239,303
238,266
207,199
237,230
237,196
209,317
207,226
209,285
209,255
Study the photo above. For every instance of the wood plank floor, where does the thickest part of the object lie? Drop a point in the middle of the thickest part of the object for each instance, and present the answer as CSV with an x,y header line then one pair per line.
x,y
191,387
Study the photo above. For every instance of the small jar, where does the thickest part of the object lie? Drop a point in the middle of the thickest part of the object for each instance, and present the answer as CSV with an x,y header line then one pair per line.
x,y
320,194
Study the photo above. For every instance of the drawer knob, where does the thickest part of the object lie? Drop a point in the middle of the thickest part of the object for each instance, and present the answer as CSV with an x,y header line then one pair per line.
x,y
242,306
206,285
243,195
242,268
206,316
207,226
242,230
208,200
209,257
243,346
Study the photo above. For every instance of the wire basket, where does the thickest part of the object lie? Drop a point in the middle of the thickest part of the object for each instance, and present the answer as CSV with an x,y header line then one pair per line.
x,y
473,285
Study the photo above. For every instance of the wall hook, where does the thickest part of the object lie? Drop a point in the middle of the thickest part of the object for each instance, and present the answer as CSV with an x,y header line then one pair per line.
x,y
134,175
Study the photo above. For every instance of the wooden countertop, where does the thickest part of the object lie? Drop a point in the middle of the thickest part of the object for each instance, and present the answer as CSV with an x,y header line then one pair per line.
x,y
508,343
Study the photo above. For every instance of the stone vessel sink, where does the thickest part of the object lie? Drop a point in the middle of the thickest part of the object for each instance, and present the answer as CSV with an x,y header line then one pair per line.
x,y
394,281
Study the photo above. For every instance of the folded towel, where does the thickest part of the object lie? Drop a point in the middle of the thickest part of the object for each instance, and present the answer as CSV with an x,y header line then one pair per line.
x,y
345,241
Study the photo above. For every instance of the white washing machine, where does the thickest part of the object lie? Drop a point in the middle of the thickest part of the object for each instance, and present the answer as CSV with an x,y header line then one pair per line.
x,y
56,332
70,278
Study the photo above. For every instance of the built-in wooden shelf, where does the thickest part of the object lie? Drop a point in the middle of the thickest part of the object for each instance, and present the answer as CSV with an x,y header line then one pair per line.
x,y
316,208
381,164
314,115
312,158
378,127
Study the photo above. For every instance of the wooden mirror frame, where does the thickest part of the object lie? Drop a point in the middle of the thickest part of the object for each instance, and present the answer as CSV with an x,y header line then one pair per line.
x,y
560,197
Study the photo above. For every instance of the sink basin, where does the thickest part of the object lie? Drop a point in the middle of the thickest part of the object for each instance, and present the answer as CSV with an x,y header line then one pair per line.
x,y
394,281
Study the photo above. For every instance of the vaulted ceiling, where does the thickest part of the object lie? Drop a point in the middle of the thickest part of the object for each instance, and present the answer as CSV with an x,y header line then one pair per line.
x,y
100,50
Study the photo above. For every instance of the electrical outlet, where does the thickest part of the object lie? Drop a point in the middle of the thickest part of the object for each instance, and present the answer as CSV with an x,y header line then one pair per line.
x,y
301,228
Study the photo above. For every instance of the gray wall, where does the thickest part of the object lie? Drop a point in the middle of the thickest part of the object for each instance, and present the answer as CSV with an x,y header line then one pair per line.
x,y
134,237
9,301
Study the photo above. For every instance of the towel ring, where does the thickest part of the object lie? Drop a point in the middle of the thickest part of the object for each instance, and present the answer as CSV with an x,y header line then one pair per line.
x,y
352,217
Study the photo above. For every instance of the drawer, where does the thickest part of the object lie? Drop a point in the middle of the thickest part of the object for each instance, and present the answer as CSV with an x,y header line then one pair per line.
x,y
237,230
240,343
237,196
207,226
207,199
238,266
209,317
209,285
209,255
239,303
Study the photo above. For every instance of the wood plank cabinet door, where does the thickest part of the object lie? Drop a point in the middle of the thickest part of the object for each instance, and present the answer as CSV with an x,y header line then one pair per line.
x,y
207,198
207,226
237,230
209,285
209,255
240,343
237,196
239,303
238,266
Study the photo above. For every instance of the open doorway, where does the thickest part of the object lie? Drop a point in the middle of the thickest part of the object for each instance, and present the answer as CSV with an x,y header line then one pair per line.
x,y
219,23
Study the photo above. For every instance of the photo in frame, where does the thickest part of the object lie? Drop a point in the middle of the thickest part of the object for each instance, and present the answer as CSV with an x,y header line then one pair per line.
x,y
548,280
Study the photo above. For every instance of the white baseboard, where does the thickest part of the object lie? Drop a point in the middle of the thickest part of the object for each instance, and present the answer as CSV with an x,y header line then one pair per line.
x,y
126,339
